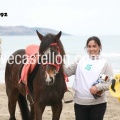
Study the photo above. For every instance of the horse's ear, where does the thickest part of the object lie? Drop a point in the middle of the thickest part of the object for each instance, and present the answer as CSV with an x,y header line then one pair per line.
x,y
39,35
58,36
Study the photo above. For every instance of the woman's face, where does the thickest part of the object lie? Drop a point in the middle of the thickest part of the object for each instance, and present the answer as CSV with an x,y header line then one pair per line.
x,y
93,48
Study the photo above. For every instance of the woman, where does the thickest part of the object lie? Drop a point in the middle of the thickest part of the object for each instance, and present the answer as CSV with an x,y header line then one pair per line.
x,y
87,71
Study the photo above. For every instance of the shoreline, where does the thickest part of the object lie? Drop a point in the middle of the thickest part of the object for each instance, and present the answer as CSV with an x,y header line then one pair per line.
x,y
112,112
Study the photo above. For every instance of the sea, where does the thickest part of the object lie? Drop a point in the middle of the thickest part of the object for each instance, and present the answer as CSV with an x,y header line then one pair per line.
x,y
74,47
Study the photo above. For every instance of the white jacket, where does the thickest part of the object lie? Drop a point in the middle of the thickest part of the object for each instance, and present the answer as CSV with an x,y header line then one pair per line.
x,y
86,72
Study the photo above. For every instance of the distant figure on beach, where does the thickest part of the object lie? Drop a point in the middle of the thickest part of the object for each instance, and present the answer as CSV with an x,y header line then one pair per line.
x,y
0,48
90,98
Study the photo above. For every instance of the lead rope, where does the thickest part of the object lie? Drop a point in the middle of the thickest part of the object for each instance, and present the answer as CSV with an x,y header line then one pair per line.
x,y
70,99
31,99
68,92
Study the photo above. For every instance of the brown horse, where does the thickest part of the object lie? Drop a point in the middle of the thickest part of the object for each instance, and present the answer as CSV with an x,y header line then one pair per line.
x,y
46,83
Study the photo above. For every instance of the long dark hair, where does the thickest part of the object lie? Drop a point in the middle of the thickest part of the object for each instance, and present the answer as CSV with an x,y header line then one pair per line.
x,y
97,41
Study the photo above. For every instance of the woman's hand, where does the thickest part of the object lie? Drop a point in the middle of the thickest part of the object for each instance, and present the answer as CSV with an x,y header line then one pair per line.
x,y
93,90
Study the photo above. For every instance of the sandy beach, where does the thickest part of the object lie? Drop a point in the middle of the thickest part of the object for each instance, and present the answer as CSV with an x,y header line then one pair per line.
x,y
112,113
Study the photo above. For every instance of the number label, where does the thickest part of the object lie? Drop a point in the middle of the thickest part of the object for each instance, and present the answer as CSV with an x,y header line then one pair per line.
x,y
88,67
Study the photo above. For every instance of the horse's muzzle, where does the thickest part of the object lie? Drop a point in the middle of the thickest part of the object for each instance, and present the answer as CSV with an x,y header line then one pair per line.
x,y
49,79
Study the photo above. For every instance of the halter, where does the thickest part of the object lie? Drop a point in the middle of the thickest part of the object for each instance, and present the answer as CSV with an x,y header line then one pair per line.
x,y
58,58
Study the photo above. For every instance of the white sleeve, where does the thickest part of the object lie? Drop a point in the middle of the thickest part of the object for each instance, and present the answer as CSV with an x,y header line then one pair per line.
x,y
70,70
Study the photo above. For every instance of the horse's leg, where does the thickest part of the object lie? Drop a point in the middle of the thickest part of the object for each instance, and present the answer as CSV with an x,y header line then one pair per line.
x,y
39,109
12,99
56,109
11,91
22,101
32,112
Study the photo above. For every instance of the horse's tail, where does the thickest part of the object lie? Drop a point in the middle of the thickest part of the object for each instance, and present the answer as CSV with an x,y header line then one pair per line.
x,y
23,107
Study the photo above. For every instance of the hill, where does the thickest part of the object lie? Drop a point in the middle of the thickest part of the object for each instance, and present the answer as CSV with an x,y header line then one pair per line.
x,y
23,30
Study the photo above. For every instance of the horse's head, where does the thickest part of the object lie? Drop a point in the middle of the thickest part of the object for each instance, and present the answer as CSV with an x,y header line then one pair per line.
x,y
51,51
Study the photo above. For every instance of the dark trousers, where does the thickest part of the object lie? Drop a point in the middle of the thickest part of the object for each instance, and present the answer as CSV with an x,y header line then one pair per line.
x,y
90,112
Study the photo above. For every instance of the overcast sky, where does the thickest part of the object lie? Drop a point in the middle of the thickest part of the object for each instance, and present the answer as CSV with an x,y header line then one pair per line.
x,y
78,17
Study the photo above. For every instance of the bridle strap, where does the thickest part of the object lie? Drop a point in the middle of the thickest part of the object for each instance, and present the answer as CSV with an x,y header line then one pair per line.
x,y
56,65
52,44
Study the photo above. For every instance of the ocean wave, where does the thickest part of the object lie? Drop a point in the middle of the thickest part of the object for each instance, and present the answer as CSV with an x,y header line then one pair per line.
x,y
103,54
111,54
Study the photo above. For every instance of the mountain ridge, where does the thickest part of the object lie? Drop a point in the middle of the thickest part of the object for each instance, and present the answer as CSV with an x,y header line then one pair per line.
x,y
23,30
